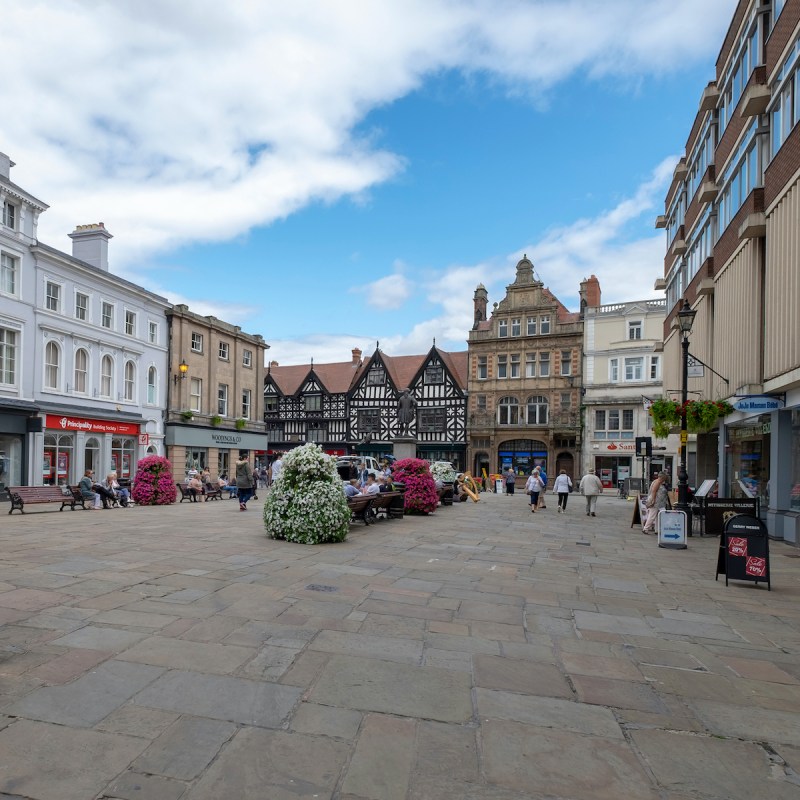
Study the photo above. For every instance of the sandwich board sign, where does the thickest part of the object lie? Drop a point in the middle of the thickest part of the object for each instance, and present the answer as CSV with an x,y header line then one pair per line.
x,y
672,529
744,550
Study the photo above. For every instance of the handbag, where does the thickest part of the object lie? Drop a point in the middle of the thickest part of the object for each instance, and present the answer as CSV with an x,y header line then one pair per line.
x,y
571,487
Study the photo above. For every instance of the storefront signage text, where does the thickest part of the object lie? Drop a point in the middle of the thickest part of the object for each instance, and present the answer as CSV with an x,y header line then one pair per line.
x,y
91,425
226,438
758,404
624,447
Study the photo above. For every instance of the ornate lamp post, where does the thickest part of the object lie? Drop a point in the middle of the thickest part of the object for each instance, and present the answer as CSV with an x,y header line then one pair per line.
x,y
685,320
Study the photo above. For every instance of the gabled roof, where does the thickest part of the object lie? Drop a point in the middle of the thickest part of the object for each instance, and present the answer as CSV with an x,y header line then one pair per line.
x,y
336,378
458,364
403,369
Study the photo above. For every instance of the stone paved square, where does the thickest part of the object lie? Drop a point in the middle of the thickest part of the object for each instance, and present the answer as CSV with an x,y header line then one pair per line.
x,y
206,668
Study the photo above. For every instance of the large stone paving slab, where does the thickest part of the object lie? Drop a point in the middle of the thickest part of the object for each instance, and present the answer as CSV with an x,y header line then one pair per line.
x,y
51,762
265,765
562,763
183,654
372,685
219,697
88,699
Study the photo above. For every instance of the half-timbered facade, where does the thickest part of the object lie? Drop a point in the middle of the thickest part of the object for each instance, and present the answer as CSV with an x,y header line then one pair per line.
x,y
308,403
437,383
525,377
353,406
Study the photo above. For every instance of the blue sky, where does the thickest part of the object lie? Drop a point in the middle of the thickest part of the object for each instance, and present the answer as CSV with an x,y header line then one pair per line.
x,y
331,174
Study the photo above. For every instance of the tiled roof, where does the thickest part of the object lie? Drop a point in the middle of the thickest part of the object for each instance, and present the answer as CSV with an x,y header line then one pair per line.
x,y
336,377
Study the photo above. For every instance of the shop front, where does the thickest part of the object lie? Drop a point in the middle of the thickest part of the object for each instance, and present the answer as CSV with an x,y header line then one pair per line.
x,y
613,462
16,422
214,449
70,445
522,455
747,459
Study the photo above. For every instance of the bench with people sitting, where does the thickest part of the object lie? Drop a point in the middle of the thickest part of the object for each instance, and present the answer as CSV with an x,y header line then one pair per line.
x,y
36,495
445,493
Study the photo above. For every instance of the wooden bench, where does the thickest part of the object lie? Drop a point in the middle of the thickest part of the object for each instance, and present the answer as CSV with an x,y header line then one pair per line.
x,y
35,495
213,492
360,507
185,493
390,504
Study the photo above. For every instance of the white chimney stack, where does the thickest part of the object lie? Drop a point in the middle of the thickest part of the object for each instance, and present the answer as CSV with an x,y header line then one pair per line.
x,y
90,244
5,166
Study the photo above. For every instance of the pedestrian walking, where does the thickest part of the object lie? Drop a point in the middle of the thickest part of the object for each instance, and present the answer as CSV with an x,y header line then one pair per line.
x,y
657,499
533,486
543,476
277,466
562,486
591,487
511,479
244,479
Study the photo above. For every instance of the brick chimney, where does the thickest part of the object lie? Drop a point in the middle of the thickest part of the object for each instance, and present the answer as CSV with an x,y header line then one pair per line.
x,y
5,166
479,301
590,293
90,244
356,356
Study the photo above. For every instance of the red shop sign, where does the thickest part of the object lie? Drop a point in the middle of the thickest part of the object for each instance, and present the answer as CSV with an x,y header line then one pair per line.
x,y
91,425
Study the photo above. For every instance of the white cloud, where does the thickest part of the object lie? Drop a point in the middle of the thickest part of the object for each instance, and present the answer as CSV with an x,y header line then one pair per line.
x,y
176,127
389,292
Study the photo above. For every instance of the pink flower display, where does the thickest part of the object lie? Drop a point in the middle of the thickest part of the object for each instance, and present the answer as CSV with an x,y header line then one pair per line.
x,y
153,484
420,496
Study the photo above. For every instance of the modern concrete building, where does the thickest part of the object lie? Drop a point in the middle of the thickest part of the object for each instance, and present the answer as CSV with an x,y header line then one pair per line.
x,y
732,216
525,378
83,354
216,397
622,362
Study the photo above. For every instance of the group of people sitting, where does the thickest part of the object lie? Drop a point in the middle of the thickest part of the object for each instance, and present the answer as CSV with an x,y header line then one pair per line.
x,y
243,485
373,485
104,494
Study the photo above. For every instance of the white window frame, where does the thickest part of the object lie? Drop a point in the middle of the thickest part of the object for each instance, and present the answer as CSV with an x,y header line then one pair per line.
x,y
152,386
196,345
129,382
502,328
544,364
530,365
80,376
508,412
566,363
53,298
516,326
532,327
502,366
482,368
52,369
9,270
312,402
130,322
222,399
107,305
537,407
85,309
247,358
655,368
196,394
613,370
631,363
8,356
544,324
635,329
10,214
152,331
247,405
513,365
224,351
107,377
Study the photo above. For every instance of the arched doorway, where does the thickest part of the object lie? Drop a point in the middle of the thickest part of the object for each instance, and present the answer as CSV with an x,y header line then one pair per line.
x,y
91,457
521,454
566,461
481,464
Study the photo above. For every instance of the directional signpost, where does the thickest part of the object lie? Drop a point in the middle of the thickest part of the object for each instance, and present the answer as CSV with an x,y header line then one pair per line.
x,y
672,529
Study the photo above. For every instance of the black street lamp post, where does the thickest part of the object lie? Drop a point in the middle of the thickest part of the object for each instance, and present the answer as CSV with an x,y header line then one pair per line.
x,y
685,320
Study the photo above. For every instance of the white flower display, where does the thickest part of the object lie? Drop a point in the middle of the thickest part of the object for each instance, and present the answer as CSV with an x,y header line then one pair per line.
x,y
443,472
306,503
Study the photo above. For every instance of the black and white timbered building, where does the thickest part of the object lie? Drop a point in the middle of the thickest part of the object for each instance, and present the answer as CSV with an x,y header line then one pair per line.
x,y
353,406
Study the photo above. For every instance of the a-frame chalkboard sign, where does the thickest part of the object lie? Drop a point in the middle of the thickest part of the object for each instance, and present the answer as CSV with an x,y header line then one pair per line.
x,y
744,550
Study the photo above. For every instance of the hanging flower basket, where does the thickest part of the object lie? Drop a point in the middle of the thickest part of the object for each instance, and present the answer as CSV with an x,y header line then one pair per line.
x,y
666,415
702,415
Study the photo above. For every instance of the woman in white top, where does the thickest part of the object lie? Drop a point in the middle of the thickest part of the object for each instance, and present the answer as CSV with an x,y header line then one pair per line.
x,y
533,486
562,486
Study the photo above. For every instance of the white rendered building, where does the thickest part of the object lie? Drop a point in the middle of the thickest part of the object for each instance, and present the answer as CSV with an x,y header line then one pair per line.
x,y
622,367
83,354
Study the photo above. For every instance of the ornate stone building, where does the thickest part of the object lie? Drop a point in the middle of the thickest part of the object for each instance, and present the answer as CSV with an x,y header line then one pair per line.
x,y
524,380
